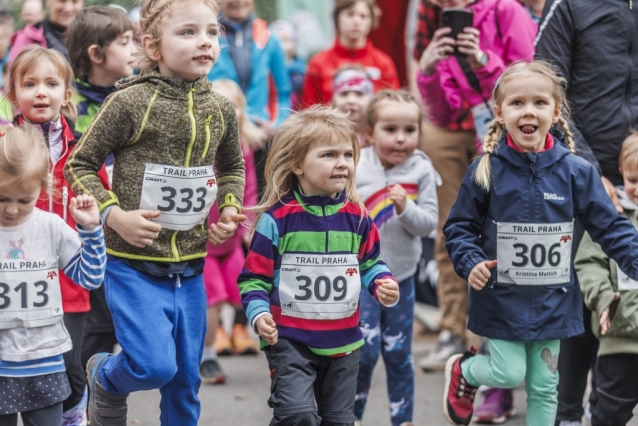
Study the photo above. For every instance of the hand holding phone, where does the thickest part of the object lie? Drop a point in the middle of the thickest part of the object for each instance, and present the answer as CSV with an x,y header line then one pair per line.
x,y
457,20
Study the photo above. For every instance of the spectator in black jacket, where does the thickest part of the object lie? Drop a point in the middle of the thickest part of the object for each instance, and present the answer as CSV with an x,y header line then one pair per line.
x,y
594,44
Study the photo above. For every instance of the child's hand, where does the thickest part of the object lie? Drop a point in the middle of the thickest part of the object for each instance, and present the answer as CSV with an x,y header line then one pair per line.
x,y
605,321
226,226
267,329
480,274
387,291
399,197
85,212
134,226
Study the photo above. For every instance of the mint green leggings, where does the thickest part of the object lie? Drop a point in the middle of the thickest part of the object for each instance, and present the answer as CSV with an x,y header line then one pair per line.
x,y
509,363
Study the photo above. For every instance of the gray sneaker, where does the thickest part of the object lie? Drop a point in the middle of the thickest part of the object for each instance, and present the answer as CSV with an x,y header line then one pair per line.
x,y
211,372
105,408
447,346
570,423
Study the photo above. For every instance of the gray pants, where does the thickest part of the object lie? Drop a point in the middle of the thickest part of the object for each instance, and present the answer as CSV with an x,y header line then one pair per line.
x,y
47,416
299,377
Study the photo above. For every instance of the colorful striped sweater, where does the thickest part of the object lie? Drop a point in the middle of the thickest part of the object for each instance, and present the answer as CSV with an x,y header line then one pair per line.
x,y
310,225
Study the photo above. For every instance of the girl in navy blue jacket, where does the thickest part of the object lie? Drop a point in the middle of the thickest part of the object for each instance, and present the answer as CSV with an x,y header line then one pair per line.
x,y
510,234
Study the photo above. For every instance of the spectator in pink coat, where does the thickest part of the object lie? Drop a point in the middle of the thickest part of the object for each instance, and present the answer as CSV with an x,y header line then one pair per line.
x,y
49,33
502,33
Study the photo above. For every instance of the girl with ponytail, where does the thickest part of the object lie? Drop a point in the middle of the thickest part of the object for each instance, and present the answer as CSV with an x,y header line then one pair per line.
x,y
510,235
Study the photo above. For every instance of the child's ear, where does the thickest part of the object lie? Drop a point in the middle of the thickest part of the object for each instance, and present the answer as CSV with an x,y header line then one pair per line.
x,y
151,48
297,170
368,133
68,94
498,114
556,115
95,54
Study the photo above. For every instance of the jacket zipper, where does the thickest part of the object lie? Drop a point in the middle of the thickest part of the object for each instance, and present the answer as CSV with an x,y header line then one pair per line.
x,y
532,184
65,202
187,161
50,191
207,128
325,226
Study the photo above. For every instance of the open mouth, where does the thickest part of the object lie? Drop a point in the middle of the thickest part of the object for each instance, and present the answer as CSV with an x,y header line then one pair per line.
x,y
528,129
40,106
204,58
339,177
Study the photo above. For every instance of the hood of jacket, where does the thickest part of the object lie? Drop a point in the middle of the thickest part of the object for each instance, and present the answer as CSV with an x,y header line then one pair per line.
x,y
94,94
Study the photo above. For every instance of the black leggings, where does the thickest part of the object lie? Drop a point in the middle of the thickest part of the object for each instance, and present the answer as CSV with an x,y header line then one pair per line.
x,y
577,357
74,323
47,416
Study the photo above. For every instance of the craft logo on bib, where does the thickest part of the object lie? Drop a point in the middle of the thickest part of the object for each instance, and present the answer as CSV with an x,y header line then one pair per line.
x,y
29,293
319,286
183,195
534,253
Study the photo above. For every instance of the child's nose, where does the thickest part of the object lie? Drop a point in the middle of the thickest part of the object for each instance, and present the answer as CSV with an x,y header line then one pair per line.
x,y
12,209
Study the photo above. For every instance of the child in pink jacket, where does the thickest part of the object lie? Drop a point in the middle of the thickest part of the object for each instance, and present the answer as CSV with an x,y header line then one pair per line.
x,y
225,261
502,32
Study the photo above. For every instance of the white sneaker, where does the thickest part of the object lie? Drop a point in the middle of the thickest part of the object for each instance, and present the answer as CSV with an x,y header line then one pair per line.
x,y
447,346
358,423
570,423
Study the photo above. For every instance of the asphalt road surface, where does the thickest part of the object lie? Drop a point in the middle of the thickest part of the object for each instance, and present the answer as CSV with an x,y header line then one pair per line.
x,y
242,400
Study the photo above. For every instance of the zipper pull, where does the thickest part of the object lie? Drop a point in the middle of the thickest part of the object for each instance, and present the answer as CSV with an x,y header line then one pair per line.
x,y
50,192
65,202
631,4
239,39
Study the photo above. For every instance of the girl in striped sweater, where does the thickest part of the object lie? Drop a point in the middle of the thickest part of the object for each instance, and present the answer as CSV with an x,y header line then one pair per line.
x,y
314,248
36,243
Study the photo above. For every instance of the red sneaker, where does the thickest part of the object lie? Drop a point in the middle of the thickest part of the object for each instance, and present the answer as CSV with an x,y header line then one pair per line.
x,y
458,397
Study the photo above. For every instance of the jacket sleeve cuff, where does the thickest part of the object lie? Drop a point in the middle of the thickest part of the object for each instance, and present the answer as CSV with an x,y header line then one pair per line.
x,y
376,294
253,322
230,201
605,300
470,263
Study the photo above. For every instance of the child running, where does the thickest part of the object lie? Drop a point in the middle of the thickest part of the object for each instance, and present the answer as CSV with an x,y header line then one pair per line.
x,y
224,262
40,87
313,249
166,128
612,297
398,184
510,234
32,334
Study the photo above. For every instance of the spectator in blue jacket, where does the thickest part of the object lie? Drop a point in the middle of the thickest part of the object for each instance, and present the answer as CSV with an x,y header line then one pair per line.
x,y
254,58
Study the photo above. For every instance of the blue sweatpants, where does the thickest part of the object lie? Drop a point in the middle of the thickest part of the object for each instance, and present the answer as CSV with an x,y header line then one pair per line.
x,y
388,332
160,322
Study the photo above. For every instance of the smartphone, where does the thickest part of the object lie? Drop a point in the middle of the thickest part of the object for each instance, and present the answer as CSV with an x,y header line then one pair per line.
x,y
456,19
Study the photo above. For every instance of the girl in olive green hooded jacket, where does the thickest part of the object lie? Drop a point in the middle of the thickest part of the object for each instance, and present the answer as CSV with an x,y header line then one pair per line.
x,y
613,299
176,150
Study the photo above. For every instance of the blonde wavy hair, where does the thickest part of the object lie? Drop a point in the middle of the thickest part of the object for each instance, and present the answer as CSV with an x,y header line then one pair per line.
x,y
249,133
152,12
34,57
483,173
290,145
24,158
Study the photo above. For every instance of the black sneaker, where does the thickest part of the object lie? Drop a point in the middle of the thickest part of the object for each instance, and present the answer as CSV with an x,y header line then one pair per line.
x,y
211,373
105,408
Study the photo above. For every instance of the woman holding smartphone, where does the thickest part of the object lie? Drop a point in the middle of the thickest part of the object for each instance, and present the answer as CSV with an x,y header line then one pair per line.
x,y
465,67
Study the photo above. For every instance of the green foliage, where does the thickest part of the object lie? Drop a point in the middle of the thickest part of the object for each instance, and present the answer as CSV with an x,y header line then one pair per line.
x,y
127,4
266,9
